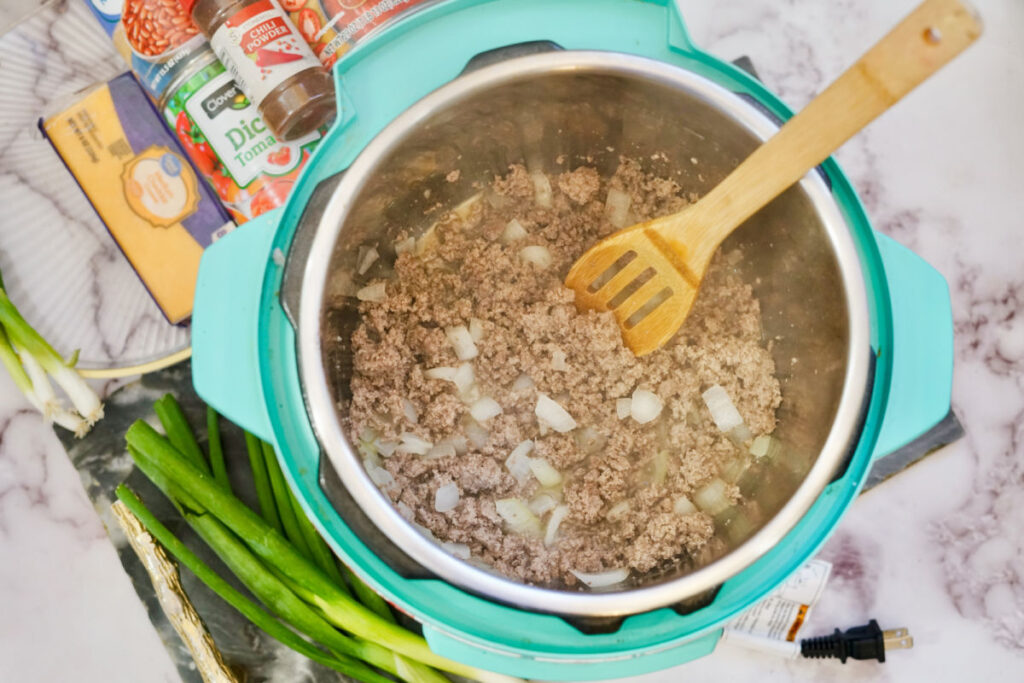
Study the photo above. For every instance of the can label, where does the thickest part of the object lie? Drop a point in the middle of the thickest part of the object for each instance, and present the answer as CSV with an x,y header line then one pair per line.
x,y
156,37
262,48
333,27
227,141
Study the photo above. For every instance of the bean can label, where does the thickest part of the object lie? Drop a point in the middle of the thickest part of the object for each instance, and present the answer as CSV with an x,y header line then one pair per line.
x,y
156,37
227,141
333,27
261,48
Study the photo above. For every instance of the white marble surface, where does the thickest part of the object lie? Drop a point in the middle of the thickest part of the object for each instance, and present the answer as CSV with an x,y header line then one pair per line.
x,y
939,549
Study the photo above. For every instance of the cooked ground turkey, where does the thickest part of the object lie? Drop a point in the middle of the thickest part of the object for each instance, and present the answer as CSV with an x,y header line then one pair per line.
x,y
621,480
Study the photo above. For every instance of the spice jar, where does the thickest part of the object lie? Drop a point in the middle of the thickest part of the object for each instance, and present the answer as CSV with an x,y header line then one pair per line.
x,y
270,61
225,137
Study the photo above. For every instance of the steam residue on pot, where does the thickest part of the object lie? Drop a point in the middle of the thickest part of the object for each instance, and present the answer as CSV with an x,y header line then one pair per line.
x,y
522,433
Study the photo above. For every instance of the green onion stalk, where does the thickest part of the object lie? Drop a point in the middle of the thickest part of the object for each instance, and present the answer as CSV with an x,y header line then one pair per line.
x,y
278,557
32,363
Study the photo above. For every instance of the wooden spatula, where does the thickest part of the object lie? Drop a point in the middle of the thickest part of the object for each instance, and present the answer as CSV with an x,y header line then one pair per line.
x,y
648,274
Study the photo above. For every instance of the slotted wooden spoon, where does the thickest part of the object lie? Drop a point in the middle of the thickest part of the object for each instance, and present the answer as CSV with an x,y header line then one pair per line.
x,y
648,274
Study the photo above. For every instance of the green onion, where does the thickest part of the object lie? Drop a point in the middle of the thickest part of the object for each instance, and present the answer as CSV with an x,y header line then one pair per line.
x,y
250,610
261,480
320,553
276,590
271,547
220,472
282,499
368,596
85,401
178,430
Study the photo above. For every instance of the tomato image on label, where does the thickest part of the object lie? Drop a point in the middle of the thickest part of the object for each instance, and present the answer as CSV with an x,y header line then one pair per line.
x,y
281,157
293,5
308,24
195,144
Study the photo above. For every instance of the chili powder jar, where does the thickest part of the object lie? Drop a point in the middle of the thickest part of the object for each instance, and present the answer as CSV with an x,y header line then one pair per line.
x,y
270,61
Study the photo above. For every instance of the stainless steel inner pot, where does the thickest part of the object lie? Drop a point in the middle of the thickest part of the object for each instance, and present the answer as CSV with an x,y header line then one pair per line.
x,y
593,107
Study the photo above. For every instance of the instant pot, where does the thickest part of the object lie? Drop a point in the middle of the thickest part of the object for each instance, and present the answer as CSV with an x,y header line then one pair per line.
x,y
861,328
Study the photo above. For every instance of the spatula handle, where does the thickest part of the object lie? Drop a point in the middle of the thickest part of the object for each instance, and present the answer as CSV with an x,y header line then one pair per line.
x,y
934,33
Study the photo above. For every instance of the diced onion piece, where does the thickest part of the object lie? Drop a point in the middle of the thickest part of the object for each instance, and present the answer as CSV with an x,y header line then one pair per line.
x,y
518,517
367,448
618,510
405,511
446,497
558,515
409,410
723,412
558,360
443,373
459,550
760,446
623,407
386,448
514,231
484,409
477,435
426,242
442,449
659,468
543,428
541,189
367,256
683,506
497,201
476,329
410,443
645,406
741,434
462,342
375,292
465,210
405,246
553,415
378,475
541,503
616,207
537,255
589,439
464,377
711,498
602,579
518,463
546,474
732,470
522,382
459,442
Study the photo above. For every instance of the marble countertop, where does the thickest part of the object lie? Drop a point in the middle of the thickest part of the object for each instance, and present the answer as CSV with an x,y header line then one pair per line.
x,y
939,548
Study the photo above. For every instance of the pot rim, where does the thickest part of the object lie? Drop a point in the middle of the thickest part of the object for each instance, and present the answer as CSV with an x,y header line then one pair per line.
x,y
321,407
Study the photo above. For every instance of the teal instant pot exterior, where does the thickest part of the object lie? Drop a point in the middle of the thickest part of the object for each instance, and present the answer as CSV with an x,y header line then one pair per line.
x,y
245,357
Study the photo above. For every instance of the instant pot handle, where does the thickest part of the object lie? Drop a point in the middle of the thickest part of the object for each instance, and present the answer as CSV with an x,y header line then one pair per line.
x,y
225,316
922,363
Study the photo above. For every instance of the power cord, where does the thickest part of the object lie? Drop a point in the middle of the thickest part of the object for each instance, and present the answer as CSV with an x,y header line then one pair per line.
x,y
859,642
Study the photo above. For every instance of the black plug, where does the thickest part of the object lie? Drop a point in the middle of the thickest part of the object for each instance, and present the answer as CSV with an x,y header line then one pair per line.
x,y
860,642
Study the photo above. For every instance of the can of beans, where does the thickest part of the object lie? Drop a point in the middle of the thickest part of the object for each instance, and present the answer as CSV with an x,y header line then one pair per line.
x,y
226,139
332,27
156,37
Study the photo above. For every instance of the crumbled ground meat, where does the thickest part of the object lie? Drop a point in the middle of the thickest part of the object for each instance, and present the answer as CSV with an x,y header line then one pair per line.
x,y
464,268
